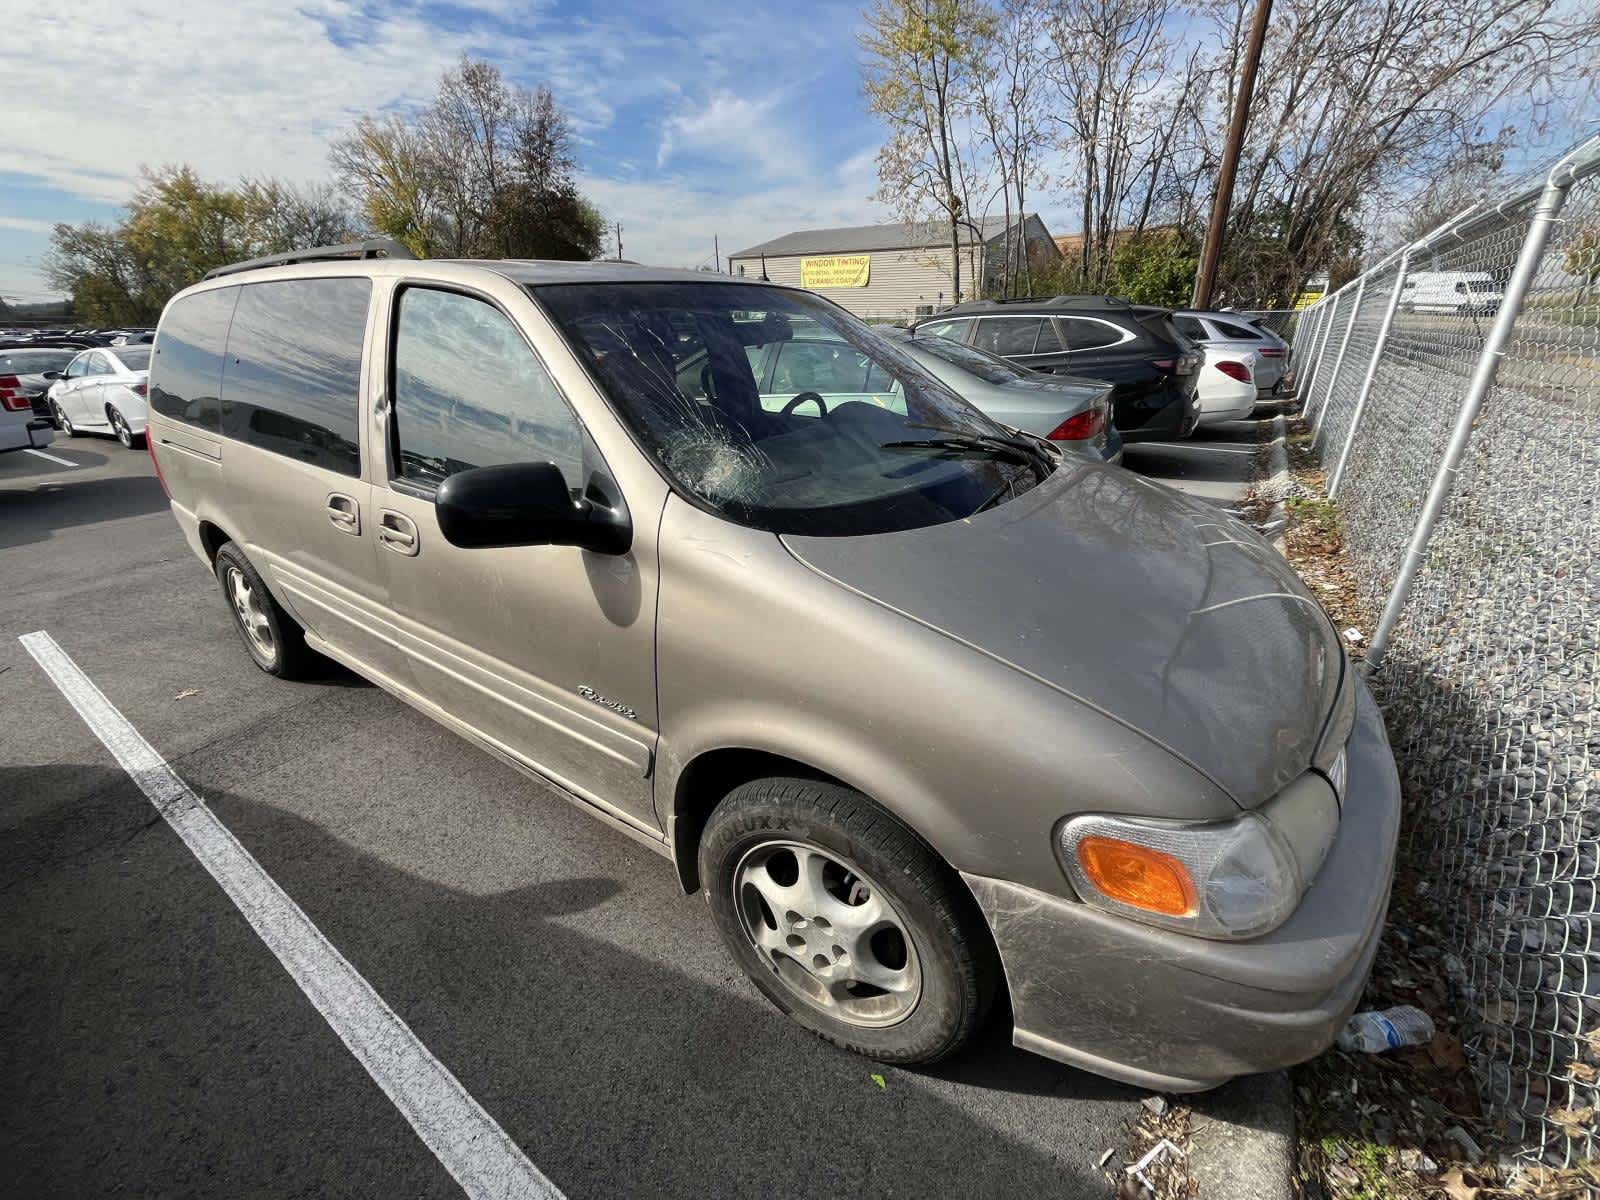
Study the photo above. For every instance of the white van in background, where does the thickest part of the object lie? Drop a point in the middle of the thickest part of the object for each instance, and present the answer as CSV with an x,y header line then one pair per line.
x,y
1462,292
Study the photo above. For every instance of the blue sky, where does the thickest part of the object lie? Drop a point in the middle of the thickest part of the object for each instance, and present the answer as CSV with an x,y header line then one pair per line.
x,y
694,118
742,120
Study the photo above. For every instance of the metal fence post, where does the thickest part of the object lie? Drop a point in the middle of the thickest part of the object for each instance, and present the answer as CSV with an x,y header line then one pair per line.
x,y
1544,216
1315,365
1372,372
1300,348
1338,361
1306,360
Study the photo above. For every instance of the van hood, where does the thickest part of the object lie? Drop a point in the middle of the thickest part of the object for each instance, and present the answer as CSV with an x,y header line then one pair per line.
x,y
1160,611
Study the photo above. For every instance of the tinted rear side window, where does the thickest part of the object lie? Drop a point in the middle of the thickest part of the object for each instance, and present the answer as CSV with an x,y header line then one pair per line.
x,y
1007,336
292,378
1238,332
186,371
1091,335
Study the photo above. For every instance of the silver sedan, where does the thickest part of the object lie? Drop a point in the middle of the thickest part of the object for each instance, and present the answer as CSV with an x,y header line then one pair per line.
x,y
1070,410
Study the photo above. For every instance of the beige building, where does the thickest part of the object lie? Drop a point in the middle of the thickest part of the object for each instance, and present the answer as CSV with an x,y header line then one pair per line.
x,y
888,272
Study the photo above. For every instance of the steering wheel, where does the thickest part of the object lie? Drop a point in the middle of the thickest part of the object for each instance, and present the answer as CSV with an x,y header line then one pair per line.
x,y
822,405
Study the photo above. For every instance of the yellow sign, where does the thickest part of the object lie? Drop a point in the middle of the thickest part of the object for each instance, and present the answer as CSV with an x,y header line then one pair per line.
x,y
835,271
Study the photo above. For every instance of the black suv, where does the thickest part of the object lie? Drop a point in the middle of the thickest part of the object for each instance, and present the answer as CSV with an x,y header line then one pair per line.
x,y
1136,347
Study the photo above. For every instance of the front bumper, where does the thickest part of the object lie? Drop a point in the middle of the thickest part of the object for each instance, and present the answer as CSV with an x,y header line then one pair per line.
x,y
1175,1013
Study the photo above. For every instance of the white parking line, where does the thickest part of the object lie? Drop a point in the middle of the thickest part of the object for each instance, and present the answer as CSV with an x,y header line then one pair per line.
x,y
65,462
464,1138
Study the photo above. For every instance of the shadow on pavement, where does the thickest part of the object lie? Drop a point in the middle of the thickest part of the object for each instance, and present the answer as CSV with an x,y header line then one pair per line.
x,y
34,513
618,1075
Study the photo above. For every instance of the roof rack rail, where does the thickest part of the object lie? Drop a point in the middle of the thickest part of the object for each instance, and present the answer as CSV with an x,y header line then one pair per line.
x,y
1059,301
370,248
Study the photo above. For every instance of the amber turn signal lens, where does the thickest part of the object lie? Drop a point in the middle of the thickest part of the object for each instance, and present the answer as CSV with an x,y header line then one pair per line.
x,y
1137,875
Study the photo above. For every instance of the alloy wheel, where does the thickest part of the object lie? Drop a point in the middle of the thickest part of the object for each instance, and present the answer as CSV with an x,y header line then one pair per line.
x,y
61,419
829,933
124,434
252,616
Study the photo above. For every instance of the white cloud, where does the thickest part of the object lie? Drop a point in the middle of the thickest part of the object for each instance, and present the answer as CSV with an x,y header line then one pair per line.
x,y
731,129
671,221
258,87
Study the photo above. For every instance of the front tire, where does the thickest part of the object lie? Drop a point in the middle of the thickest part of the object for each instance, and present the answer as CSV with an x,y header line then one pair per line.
x,y
274,639
846,920
62,422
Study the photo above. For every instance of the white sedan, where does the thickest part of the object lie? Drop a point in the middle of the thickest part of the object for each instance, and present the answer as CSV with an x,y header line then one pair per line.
x,y
104,391
1226,387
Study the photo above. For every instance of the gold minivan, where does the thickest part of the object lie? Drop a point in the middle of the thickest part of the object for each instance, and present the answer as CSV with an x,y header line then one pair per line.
x,y
931,713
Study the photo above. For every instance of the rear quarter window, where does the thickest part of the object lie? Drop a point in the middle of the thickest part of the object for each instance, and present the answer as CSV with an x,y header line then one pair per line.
x,y
186,370
292,375
1239,333
1085,334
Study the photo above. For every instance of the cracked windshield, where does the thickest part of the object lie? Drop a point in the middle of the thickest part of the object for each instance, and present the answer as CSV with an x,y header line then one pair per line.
x,y
781,411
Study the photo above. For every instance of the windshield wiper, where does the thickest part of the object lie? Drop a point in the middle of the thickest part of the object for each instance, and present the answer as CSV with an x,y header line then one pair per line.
x,y
1013,448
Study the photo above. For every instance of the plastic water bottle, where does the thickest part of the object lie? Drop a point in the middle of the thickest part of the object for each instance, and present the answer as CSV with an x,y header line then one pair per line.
x,y
1375,1032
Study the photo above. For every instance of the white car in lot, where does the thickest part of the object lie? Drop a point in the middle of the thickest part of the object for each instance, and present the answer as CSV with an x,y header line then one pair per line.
x,y
1266,354
1463,293
1226,387
104,391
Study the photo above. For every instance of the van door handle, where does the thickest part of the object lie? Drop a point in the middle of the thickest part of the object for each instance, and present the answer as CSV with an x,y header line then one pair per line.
x,y
397,532
344,512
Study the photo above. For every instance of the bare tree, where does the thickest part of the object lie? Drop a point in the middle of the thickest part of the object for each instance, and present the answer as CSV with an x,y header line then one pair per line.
x,y
1008,96
920,79
1106,68
486,170
1360,102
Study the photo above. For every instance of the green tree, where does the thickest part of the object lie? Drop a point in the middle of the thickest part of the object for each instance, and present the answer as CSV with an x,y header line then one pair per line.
x,y
1155,267
177,227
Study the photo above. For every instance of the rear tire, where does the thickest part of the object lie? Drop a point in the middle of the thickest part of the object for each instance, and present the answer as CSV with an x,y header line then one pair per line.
x,y
125,435
274,639
822,896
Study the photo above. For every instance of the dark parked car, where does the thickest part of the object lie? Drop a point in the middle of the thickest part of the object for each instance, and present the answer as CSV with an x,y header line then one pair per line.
x,y
34,368
1135,347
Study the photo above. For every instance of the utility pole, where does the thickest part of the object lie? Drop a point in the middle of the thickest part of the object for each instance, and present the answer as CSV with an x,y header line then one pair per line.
x,y
716,254
1205,280
619,241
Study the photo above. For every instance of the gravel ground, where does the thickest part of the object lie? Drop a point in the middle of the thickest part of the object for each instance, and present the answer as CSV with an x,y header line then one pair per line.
x,y
1489,692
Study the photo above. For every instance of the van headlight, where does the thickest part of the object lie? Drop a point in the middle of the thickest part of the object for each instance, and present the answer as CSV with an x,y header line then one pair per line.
x,y
1226,879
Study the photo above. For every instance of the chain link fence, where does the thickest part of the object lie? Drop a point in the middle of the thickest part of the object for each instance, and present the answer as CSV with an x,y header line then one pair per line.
x,y
1454,394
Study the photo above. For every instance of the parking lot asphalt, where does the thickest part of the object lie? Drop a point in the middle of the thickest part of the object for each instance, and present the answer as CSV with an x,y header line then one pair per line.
x,y
155,1045
1218,463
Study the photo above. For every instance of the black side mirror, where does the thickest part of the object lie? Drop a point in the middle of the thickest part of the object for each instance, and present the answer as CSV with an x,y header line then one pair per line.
x,y
527,504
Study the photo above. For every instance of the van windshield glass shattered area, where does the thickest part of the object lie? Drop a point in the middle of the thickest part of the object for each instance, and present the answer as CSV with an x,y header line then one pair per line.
x,y
783,412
